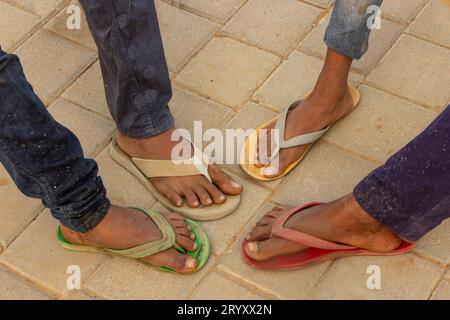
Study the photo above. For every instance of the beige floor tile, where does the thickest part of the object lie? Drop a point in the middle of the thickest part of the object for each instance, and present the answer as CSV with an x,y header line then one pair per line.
x,y
187,107
88,91
380,125
121,278
408,71
436,243
217,287
218,10
402,11
183,34
123,188
272,25
76,295
402,277
326,174
16,25
223,232
292,80
442,292
16,211
227,71
92,130
321,3
433,23
380,42
13,288
81,36
282,284
37,255
41,8
51,62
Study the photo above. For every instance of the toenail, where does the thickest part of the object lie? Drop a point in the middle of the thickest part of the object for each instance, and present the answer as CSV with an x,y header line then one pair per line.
x,y
208,201
179,203
195,246
222,197
235,184
190,263
192,236
252,246
196,203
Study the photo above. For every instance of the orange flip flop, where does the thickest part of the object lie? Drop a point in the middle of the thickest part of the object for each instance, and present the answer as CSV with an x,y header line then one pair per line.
x,y
318,249
249,149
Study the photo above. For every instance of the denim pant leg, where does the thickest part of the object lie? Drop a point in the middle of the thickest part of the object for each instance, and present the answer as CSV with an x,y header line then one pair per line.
x,y
44,159
410,194
133,64
348,32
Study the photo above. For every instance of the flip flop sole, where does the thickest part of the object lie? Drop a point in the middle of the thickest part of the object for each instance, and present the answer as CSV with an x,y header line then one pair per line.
x,y
256,172
312,256
201,254
214,212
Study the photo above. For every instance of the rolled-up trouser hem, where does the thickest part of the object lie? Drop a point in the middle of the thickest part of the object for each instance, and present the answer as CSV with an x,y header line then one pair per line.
x,y
377,202
90,218
348,32
150,131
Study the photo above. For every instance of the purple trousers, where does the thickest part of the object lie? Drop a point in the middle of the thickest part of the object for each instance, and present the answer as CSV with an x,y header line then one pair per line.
x,y
410,194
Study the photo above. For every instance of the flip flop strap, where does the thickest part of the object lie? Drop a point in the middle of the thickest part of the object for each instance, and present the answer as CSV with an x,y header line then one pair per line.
x,y
300,140
198,164
279,230
167,241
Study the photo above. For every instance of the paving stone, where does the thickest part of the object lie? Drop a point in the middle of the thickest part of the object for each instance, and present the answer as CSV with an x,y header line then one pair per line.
x,y
282,284
16,211
122,187
380,42
16,25
408,70
321,3
217,287
41,8
402,277
272,25
76,295
227,71
436,243
326,174
187,108
292,80
51,72
218,10
92,130
401,11
433,23
223,232
442,292
121,278
380,126
183,34
44,261
88,91
13,288
81,36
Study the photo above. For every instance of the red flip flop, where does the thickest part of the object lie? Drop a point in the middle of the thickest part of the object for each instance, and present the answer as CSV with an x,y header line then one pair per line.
x,y
318,249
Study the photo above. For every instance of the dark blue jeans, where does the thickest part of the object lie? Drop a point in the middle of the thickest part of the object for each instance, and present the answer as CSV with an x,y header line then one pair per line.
x,y
44,159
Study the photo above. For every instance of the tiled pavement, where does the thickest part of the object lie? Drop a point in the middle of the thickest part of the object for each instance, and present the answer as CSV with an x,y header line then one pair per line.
x,y
234,63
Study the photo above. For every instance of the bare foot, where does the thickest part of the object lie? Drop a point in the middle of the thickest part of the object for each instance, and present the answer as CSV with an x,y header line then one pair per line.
x,y
195,189
314,114
341,221
124,228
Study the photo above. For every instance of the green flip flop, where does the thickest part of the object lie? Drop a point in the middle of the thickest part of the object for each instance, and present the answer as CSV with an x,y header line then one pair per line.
x,y
147,249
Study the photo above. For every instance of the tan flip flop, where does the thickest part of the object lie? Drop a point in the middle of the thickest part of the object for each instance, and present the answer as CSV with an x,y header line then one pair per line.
x,y
143,169
249,149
